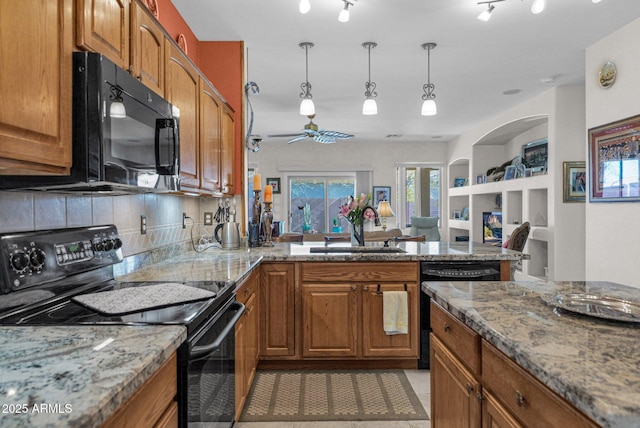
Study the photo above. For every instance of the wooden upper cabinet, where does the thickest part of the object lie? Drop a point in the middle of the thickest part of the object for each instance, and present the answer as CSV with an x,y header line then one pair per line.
x,y
103,26
147,49
210,137
182,90
35,53
228,150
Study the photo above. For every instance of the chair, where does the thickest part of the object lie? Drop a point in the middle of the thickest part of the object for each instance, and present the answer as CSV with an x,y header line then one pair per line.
x,y
519,237
427,226
289,237
381,235
405,238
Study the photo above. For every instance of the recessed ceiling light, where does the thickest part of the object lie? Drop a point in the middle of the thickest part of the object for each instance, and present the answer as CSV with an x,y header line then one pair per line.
x,y
512,91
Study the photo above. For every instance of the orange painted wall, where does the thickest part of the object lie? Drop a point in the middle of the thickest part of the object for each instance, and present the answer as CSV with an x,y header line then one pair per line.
x,y
174,24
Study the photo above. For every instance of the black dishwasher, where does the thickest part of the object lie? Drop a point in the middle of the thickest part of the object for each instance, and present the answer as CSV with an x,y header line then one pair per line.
x,y
483,270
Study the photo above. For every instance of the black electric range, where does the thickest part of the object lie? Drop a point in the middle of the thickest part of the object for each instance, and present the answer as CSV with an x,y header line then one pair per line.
x,y
42,272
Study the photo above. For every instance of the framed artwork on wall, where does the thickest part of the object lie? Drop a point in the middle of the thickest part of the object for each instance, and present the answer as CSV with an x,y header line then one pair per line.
x,y
614,157
575,181
275,183
381,193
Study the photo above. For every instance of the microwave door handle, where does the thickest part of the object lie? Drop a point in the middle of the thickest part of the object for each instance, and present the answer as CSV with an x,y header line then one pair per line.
x,y
170,168
202,351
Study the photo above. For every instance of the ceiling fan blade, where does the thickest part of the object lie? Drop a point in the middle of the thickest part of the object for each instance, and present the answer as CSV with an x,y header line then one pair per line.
x,y
336,134
325,139
298,138
284,135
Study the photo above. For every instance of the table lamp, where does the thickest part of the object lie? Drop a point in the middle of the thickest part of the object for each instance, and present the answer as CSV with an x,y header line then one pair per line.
x,y
384,211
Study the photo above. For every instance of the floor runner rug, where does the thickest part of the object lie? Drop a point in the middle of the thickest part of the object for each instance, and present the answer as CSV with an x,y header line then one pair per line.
x,y
332,395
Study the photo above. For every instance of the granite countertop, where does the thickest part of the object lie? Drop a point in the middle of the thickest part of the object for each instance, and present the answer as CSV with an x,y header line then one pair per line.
x,y
52,376
593,363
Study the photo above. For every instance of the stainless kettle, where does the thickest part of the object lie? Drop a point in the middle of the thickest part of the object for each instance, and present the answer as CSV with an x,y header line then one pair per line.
x,y
230,239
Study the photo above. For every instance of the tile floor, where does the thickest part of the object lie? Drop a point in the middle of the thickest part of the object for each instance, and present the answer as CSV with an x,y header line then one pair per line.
x,y
420,382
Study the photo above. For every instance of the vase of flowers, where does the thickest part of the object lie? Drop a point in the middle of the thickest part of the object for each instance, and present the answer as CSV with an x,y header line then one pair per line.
x,y
353,212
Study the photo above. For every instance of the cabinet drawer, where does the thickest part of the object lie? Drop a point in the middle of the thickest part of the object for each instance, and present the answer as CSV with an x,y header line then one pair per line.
x,y
352,271
525,397
247,290
460,339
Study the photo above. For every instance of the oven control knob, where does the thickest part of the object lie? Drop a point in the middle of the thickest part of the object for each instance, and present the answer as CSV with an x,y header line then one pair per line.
x,y
108,244
117,243
19,261
98,246
36,257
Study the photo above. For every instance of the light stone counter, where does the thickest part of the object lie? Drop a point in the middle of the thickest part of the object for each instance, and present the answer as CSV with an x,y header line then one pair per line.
x,y
55,376
592,363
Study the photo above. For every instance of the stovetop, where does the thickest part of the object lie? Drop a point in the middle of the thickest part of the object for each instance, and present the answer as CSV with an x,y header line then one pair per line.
x,y
42,271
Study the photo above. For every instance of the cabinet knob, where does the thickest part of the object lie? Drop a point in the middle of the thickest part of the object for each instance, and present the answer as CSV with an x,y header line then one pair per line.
x,y
353,288
469,389
365,288
520,399
446,327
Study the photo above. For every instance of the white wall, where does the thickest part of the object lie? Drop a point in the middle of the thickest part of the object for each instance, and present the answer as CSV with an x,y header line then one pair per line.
x,y
613,229
347,155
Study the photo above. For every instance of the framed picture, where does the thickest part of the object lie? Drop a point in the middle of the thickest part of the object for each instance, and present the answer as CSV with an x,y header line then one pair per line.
x,y
381,193
457,215
535,154
510,172
459,181
465,213
481,179
575,181
275,183
614,157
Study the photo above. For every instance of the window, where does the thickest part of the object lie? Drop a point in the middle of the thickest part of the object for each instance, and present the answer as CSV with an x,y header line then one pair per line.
x,y
419,191
322,196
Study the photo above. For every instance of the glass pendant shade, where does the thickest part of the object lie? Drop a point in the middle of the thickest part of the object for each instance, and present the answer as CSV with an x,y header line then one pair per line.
x,y
429,108
344,14
538,6
305,6
306,107
486,15
117,110
370,107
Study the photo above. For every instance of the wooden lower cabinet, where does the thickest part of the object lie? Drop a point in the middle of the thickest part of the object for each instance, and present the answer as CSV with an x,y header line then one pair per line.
x,y
153,404
474,384
342,310
247,341
277,298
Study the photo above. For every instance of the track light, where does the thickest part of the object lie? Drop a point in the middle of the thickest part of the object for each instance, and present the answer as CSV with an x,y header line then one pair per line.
x,y
344,13
306,106
486,15
304,6
370,107
595,1
429,107
538,6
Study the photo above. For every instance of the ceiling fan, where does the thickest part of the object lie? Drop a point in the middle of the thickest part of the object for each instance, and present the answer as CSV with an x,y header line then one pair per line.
x,y
320,135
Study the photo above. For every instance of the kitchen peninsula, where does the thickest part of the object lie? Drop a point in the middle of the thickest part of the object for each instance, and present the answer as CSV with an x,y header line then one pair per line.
x,y
524,349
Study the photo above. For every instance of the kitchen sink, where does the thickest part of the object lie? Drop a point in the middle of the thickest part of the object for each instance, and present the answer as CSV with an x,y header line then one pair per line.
x,y
356,250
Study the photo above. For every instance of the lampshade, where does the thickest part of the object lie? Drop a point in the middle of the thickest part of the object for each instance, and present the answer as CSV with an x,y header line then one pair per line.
x,y
384,209
304,6
117,110
538,6
369,107
429,108
344,14
306,107
486,15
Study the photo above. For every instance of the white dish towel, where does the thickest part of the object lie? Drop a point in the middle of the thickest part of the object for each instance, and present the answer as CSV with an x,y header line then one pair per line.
x,y
395,312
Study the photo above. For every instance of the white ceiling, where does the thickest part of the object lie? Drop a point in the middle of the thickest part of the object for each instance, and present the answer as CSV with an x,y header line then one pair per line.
x,y
473,65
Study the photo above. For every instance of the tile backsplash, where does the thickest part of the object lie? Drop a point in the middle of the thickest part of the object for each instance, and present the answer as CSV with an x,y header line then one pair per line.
x,y
21,211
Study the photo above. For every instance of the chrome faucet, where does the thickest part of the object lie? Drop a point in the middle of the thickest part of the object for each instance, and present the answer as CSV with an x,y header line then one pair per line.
x,y
360,234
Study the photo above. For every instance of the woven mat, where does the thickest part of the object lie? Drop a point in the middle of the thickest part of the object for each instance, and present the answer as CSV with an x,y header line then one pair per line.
x,y
134,299
332,395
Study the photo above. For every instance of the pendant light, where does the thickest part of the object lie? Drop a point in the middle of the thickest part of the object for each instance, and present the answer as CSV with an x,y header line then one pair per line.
x,y
538,6
344,13
370,107
429,105
304,6
306,106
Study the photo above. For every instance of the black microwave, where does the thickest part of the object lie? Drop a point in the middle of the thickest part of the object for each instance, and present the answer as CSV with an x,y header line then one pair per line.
x,y
125,136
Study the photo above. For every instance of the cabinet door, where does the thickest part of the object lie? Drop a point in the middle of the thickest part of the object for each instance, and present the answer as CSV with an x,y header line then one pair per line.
x,y
277,335
103,26
375,342
210,138
228,150
240,364
454,390
182,91
35,83
251,325
330,320
494,415
147,49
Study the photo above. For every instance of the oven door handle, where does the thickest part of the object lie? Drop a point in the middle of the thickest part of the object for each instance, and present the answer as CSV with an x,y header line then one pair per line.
x,y
201,351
